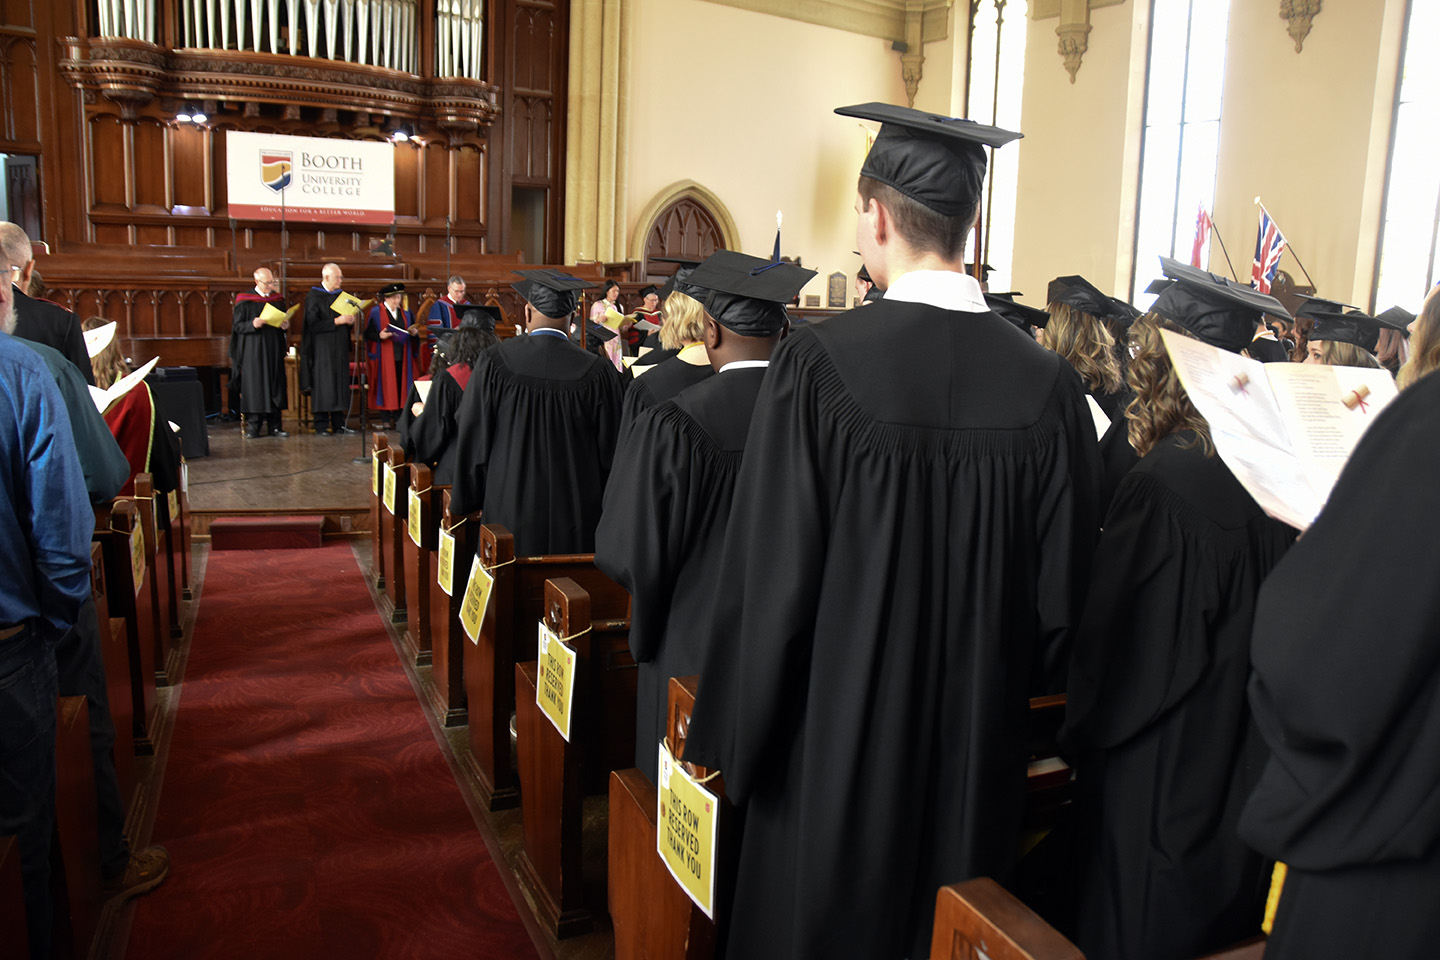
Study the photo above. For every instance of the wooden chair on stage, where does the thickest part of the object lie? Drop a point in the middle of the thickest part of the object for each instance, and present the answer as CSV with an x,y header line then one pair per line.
x,y
979,918
651,913
422,532
75,857
516,605
379,456
447,636
556,775
158,585
114,524
12,898
393,534
116,656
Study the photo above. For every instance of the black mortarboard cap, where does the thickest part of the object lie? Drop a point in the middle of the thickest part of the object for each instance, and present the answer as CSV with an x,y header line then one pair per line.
x,y
683,269
937,161
599,331
1159,286
1354,327
1005,306
1079,293
553,293
1123,312
646,291
863,274
391,288
985,270
873,294
1318,305
1220,312
479,315
747,294
1397,318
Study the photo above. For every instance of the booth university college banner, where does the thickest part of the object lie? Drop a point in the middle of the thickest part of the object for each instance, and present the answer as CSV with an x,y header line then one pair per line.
x,y
309,178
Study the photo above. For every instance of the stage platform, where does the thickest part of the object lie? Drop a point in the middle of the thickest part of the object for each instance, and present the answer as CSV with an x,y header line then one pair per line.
x,y
303,474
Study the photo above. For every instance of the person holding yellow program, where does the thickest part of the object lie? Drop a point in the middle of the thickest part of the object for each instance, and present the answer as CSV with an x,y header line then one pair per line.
x,y
257,355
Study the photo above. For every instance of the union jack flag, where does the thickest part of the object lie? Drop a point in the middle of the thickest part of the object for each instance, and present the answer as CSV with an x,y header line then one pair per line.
x,y
1269,244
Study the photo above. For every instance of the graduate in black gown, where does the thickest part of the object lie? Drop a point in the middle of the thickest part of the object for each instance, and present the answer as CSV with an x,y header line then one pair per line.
x,y
537,427
668,499
1346,338
903,564
1159,732
1345,683
325,354
432,433
257,351
684,329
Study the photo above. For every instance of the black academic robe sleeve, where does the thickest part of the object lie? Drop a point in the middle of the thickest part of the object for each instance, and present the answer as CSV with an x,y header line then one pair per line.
x,y
432,434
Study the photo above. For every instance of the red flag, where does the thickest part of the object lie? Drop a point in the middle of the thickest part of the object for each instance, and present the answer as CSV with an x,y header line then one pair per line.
x,y
1202,233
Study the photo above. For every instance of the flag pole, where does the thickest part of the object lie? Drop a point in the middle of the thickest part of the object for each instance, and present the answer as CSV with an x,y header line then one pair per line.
x,y
1216,230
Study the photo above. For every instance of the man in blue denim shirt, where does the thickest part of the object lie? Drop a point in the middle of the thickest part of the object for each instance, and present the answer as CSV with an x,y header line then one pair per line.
x,y
45,528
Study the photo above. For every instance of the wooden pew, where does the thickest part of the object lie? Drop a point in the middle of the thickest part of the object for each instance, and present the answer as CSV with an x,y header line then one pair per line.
x,y
116,657
182,503
447,637
422,516
980,918
651,913
393,536
75,859
157,580
170,541
379,455
12,898
555,776
113,525
516,605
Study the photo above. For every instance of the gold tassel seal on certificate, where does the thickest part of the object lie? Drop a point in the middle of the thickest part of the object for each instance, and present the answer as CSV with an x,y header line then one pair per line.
x,y
1272,902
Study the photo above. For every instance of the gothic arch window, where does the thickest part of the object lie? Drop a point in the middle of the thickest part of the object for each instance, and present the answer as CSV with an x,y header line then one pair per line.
x,y
685,221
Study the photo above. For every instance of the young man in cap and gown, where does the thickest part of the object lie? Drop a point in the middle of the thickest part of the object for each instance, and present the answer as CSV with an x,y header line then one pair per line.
x,y
537,427
668,499
910,529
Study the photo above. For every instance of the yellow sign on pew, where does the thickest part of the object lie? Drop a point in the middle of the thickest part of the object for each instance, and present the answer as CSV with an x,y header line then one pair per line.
x,y
413,515
689,823
555,681
477,598
390,489
137,557
445,566
375,474
174,503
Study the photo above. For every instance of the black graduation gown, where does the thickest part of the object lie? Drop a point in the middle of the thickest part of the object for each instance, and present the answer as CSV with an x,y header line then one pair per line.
x,y
431,437
1345,687
259,356
905,555
405,422
537,429
1268,351
41,321
658,385
1117,457
325,354
666,507
1156,722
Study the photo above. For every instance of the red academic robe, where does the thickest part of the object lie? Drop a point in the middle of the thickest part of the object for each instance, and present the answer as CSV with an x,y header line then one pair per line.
x,y
389,387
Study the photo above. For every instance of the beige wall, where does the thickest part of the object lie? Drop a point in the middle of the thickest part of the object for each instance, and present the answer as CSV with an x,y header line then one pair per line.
x,y
1307,132
741,102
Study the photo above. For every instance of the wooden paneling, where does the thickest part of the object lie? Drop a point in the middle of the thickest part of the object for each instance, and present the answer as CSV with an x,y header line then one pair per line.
x,y
407,180
436,183
188,147
470,184
110,150
19,13
151,170
19,86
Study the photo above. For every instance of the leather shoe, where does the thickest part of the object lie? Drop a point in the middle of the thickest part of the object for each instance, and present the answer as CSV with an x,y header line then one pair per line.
x,y
279,433
147,869
345,430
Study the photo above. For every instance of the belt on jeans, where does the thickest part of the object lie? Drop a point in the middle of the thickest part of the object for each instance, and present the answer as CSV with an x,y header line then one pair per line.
x,y
7,632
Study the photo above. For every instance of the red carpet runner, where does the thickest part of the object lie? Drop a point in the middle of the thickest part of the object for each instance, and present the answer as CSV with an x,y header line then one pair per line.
x,y
307,808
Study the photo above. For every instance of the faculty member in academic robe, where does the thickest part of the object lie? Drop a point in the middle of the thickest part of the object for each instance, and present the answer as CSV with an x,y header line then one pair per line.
x,y
901,570
40,321
668,499
325,354
538,425
258,351
392,357
1157,725
1345,686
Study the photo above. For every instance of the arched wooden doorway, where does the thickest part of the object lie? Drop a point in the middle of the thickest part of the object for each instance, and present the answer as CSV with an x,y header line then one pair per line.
x,y
688,222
